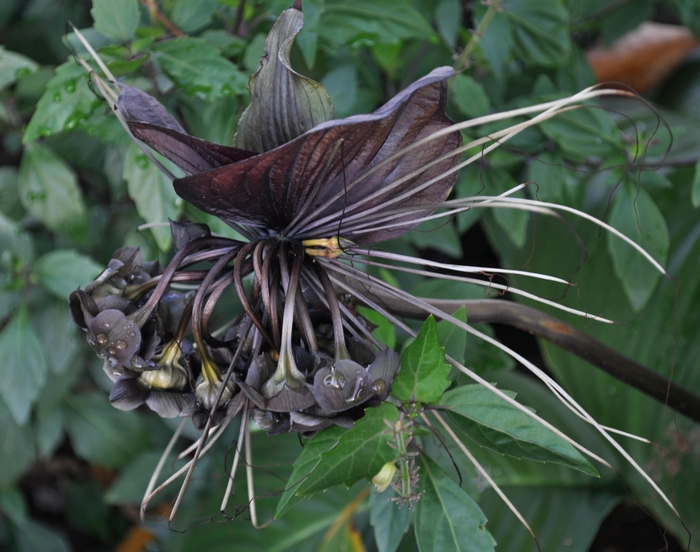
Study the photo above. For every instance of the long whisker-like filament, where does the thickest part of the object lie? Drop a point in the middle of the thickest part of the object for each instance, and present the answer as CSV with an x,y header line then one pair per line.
x,y
237,456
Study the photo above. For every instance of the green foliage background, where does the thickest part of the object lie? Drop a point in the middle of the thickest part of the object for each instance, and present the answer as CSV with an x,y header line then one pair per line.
x,y
73,189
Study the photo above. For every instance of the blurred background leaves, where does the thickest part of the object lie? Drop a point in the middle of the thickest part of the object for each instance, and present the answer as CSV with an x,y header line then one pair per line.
x,y
72,190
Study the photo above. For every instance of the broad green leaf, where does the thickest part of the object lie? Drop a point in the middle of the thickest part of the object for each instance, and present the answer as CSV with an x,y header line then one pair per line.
x,y
625,17
62,271
385,331
469,95
548,172
540,30
305,463
308,37
695,196
497,42
513,221
390,521
13,503
14,66
48,428
116,19
59,336
32,535
366,22
10,204
438,235
583,133
342,86
49,190
128,488
448,15
192,15
493,423
153,193
197,68
360,452
23,367
283,103
452,338
102,434
423,374
447,518
636,215
17,450
16,245
65,104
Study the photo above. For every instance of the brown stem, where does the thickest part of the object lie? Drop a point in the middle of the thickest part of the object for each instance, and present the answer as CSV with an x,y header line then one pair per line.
x,y
554,330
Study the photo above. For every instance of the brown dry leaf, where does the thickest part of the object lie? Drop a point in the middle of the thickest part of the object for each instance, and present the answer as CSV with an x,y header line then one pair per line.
x,y
644,57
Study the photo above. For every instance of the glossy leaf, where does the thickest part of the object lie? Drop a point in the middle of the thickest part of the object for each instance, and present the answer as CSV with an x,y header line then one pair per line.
x,y
23,369
198,68
49,191
447,518
636,215
101,434
359,454
62,271
153,194
492,422
423,374
585,132
116,19
283,103
14,66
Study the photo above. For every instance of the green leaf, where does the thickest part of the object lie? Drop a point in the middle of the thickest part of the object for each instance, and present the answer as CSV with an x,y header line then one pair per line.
x,y
447,518
360,453
695,197
65,104
283,103
366,22
58,334
513,221
14,66
17,450
308,37
102,434
448,15
153,193
423,374
32,535
385,331
305,463
469,95
23,367
48,429
128,488
540,30
497,42
49,190
197,68
63,270
10,204
493,423
636,215
453,339
390,521
15,244
116,19
192,15
586,132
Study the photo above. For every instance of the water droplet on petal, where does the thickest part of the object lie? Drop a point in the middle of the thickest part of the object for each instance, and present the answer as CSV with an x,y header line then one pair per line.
x,y
120,345
378,386
102,339
112,351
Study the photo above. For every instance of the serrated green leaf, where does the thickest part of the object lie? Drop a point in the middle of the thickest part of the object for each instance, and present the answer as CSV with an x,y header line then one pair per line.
x,y
283,103
192,15
360,453
17,450
49,190
102,434
64,270
153,193
65,104
636,215
305,463
197,68
493,423
447,518
423,374
390,521
540,30
116,19
14,66
23,367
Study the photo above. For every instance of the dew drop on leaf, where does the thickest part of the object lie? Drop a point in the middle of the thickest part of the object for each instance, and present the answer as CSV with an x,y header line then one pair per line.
x,y
142,161
70,86
57,97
